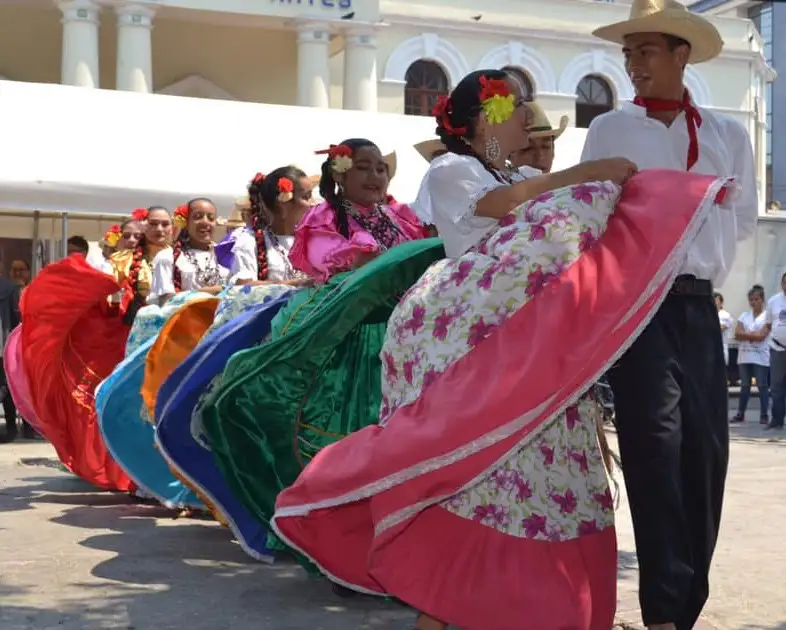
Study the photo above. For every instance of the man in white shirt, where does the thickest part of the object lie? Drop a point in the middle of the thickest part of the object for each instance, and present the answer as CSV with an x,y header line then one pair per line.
x,y
776,318
670,387
726,325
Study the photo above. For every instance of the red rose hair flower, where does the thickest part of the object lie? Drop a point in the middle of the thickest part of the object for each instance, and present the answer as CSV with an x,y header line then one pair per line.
x,y
442,112
140,214
286,190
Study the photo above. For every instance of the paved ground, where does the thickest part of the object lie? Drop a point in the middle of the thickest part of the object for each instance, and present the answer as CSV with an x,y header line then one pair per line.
x,y
75,559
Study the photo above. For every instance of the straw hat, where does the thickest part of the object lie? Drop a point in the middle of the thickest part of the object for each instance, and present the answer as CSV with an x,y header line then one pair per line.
x,y
541,126
236,218
392,161
430,149
669,18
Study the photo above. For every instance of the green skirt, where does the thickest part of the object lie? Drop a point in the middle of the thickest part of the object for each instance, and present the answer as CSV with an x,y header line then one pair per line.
x,y
315,381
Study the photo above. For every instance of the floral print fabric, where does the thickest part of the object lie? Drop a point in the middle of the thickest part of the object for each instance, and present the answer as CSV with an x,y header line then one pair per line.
x,y
554,487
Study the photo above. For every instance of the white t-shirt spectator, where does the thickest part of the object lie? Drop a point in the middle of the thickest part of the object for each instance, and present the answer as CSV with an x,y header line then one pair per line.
x,y
776,317
727,328
754,352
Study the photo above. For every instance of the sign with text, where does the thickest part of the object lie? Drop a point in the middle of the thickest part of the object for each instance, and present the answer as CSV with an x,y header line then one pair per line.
x,y
344,5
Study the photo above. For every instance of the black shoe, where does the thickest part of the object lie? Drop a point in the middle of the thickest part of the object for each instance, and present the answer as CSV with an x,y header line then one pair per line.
x,y
765,419
737,419
28,432
9,436
771,426
342,591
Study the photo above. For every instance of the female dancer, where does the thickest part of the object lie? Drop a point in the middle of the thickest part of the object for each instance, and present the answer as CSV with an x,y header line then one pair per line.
x,y
259,262
188,272
316,377
259,252
133,266
482,500
191,264
358,219
72,338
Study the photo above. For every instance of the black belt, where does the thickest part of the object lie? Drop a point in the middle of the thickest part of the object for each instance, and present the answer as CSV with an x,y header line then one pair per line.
x,y
691,286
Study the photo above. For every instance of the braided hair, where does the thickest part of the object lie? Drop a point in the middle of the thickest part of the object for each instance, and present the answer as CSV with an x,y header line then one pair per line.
x,y
140,254
263,194
331,192
457,124
181,243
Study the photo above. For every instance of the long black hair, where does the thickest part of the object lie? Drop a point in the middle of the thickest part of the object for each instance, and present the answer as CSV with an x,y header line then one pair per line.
x,y
457,123
181,243
140,253
329,189
263,195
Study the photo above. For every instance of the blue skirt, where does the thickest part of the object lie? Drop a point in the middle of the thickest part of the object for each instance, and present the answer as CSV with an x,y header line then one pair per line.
x,y
178,432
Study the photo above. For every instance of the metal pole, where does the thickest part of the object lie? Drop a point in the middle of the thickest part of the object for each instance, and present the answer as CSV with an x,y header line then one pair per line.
x,y
37,264
64,234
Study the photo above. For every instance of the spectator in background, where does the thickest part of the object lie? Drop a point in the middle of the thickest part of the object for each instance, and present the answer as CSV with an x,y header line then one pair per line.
x,y
20,273
776,319
752,331
78,245
9,319
726,326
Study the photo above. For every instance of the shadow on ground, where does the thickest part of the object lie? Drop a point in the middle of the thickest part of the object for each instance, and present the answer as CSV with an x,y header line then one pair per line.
x,y
165,575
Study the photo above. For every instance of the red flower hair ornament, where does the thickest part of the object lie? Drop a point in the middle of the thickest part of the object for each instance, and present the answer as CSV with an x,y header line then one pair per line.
x,y
442,111
340,157
258,179
286,190
180,216
140,215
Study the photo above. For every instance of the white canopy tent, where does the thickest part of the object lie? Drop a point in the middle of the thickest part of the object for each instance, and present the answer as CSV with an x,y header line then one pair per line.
x,y
98,154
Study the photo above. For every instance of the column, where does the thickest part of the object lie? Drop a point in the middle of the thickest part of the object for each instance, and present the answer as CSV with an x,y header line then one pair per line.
x,y
360,70
134,48
79,57
313,65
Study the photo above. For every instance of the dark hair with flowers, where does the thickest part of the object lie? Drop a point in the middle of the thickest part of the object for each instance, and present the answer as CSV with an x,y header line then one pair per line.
x,y
181,242
457,114
140,252
265,193
329,189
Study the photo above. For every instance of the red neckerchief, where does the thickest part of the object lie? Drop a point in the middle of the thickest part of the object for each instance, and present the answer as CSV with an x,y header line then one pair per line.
x,y
692,118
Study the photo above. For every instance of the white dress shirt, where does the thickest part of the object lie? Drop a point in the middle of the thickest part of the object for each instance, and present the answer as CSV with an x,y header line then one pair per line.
x,y
776,318
724,150
449,194
244,262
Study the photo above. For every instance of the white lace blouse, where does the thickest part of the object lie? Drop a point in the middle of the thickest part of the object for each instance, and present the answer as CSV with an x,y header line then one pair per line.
x,y
163,265
244,262
449,194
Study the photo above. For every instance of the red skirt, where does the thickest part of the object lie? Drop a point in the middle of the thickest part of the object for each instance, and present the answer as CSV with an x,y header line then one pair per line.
x,y
395,509
72,338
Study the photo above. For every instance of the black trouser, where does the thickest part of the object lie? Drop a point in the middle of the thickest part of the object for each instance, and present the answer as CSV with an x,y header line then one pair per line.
x,y
9,409
672,416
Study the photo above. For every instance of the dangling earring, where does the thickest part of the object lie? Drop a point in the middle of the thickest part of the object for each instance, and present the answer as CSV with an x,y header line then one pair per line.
x,y
493,151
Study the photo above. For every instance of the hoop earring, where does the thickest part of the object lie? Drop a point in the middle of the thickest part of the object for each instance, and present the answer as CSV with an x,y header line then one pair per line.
x,y
493,150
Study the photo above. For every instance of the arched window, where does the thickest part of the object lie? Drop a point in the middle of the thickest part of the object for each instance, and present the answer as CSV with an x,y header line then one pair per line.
x,y
426,82
523,78
593,98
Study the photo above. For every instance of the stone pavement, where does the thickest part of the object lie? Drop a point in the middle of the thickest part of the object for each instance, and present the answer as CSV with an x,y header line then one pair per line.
x,y
75,559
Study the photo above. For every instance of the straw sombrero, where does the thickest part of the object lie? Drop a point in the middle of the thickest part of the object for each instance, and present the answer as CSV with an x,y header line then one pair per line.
x,y
541,126
430,149
392,161
669,18
236,218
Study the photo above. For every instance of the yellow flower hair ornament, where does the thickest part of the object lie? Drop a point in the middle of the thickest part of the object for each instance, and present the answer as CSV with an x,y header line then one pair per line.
x,y
497,102
112,236
180,217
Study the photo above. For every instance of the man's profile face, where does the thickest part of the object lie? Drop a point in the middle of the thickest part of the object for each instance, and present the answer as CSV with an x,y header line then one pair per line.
x,y
653,67
539,154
